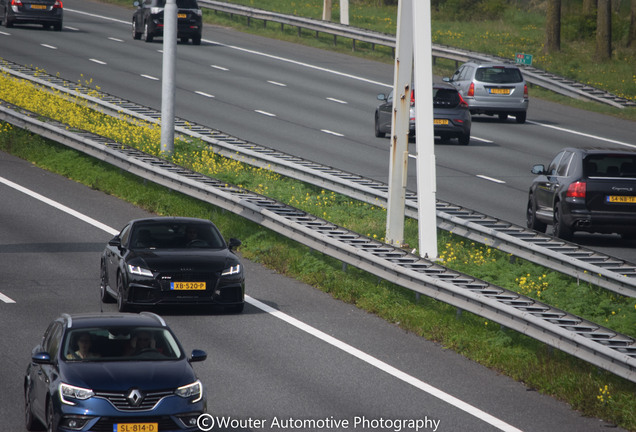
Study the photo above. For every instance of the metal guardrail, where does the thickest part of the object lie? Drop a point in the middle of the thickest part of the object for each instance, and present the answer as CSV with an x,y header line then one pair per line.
x,y
584,264
586,340
533,75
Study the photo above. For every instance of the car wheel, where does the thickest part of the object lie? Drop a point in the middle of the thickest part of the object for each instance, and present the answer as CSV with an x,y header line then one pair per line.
x,y
103,292
521,117
51,423
135,33
444,138
378,133
531,217
57,26
31,423
7,22
559,228
122,304
147,35
196,40
463,139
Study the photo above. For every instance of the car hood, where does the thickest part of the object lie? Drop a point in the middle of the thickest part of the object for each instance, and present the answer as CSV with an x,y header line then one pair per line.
x,y
124,375
177,259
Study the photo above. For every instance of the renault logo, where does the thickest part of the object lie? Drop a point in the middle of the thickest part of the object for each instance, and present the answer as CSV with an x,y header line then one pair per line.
x,y
135,397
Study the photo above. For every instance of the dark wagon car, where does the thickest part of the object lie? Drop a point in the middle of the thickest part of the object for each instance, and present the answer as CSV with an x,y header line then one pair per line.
x,y
172,261
112,372
48,13
451,118
585,189
147,21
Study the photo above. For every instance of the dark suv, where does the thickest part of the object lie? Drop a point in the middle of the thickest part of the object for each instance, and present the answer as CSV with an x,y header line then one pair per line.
x,y
147,21
48,13
451,118
585,189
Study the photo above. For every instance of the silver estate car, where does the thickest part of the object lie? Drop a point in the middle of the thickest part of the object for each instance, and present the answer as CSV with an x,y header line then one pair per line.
x,y
492,89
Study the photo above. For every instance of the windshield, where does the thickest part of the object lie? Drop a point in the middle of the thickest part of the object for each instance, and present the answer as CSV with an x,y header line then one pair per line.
x,y
176,235
498,75
120,343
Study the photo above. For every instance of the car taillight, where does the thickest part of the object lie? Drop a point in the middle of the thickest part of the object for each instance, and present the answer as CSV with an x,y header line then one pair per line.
x,y
462,102
576,190
525,91
16,2
471,90
412,97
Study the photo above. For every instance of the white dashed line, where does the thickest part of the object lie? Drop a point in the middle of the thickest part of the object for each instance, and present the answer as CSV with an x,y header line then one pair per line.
x,y
6,299
204,94
265,113
327,131
115,39
336,100
277,83
219,67
491,179
150,77
49,46
98,61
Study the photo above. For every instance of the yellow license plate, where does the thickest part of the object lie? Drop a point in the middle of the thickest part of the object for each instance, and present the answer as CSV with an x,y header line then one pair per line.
x,y
189,286
440,121
38,6
621,199
136,427
181,15
503,91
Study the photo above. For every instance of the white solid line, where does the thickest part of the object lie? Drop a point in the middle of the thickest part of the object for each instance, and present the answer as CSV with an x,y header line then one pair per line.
x,y
327,131
150,77
97,61
204,94
433,391
6,299
608,140
385,367
265,113
491,179
277,83
49,46
59,206
336,100
71,28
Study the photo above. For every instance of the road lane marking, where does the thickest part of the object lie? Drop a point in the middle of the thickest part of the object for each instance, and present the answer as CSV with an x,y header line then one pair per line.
x,y
6,299
327,131
97,61
276,83
219,67
586,135
150,77
336,100
361,355
49,46
494,180
204,94
268,114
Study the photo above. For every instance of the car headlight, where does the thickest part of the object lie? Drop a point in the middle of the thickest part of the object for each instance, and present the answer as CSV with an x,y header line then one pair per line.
x,y
137,270
235,269
68,392
194,390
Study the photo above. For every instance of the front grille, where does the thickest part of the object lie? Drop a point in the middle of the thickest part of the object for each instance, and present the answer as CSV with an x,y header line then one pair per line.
x,y
105,424
122,402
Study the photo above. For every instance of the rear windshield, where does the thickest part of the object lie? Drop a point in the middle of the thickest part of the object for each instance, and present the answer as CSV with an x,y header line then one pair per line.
x,y
445,98
610,166
498,75
181,4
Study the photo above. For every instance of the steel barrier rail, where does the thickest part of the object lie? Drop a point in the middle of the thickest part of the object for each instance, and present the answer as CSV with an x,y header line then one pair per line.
x,y
584,264
533,75
586,340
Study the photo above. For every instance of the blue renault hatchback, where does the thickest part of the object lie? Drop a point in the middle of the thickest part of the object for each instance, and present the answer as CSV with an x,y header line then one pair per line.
x,y
112,372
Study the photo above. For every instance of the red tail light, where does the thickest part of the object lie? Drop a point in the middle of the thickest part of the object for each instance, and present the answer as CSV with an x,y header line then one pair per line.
x,y
462,102
16,2
577,190
471,90
58,5
525,91
412,97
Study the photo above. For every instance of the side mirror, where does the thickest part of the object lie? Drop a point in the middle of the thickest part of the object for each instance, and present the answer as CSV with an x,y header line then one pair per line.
x,y
136,4
382,97
446,79
197,356
115,242
234,243
41,358
538,169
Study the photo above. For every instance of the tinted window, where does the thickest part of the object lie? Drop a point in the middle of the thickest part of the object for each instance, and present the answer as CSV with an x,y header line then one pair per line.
x,y
564,163
176,235
182,4
498,75
52,339
552,168
445,98
610,166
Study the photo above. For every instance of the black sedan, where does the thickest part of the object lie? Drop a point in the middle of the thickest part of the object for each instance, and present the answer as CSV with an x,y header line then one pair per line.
x,y
112,372
48,13
585,189
172,260
451,115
